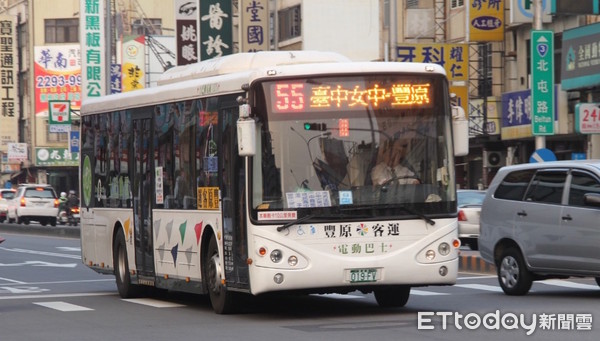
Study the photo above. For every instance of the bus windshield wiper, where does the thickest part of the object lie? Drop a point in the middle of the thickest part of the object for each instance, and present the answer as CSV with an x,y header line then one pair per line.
x,y
418,214
293,222
402,207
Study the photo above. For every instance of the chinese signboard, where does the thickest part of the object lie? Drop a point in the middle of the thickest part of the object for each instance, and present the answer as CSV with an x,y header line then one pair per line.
x,y
55,157
9,101
587,118
486,20
57,76
133,63
454,58
542,82
186,17
59,116
91,24
255,25
215,29
516,114
17,152
581,57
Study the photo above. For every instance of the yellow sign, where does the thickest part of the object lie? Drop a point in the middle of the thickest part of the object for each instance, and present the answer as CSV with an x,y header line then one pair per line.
x,y
454,58
486,20
208,198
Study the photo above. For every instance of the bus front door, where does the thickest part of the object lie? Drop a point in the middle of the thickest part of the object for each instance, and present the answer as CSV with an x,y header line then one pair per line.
x,y
143,193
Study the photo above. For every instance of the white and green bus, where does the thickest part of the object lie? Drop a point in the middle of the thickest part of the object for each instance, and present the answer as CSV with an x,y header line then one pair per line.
x,y
255,173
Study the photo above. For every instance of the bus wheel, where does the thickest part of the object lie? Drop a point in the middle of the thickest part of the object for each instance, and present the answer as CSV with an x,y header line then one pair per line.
x,y
221,300
121,266
396,296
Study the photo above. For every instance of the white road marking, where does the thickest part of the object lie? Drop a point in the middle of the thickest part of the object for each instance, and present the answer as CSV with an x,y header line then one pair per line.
x,y
476,277
22,297
40,263
68,248
338,296
11,280
426,293
483,287
43,253
567,284
153,303
62,306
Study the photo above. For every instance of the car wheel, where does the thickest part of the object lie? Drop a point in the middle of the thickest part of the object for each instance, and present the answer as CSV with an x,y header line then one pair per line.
x,y
513,276
121,266
52,221
597,280
395,296
222,300
43,222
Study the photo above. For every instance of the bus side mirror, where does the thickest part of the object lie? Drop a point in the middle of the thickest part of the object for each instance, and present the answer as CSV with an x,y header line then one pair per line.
x,y
246,132
460,131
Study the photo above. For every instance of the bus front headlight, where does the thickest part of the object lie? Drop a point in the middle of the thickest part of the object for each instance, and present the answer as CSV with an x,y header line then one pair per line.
x,y
430,254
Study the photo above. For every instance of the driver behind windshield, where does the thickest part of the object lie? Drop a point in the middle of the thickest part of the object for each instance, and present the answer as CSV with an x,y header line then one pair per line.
x,y
392,165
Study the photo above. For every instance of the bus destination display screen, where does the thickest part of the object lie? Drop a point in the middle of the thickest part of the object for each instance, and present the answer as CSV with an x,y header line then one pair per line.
x,y
306,96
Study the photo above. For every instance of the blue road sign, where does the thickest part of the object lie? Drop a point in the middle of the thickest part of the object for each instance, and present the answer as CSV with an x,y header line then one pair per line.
x,y
542,155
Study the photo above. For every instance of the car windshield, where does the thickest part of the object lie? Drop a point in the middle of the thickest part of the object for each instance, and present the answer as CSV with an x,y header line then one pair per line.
x,y
375,158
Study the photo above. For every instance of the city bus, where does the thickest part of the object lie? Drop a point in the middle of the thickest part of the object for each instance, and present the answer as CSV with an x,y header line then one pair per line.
x,y
254,173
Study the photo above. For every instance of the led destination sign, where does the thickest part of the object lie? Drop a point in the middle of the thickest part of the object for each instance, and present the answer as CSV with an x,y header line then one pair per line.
x,y
301,96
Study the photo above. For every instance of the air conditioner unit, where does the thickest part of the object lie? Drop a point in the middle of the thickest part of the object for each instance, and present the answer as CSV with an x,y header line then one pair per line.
x,y
493,158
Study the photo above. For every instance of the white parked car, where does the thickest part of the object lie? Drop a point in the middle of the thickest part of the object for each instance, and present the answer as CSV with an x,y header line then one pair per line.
x,y
469,210
6,194
37,202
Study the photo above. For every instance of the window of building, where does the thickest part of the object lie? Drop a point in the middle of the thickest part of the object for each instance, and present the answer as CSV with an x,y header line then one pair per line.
x,y
289,23
61,30
151,26
456,3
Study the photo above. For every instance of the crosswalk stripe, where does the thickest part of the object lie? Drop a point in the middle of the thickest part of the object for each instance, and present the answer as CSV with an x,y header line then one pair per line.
x,y
153,303
62,306
567,284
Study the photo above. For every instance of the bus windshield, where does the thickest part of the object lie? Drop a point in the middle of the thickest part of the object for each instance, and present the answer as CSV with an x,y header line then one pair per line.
x,y
380,143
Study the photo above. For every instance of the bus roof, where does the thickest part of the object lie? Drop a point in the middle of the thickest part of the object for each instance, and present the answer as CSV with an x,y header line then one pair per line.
x,y
227,75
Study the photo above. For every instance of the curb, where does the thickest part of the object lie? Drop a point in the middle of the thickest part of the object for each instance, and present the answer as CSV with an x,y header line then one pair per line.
x,y
473,263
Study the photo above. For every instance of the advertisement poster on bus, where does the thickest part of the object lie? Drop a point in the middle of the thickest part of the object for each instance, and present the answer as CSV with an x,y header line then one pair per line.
x,y
57,72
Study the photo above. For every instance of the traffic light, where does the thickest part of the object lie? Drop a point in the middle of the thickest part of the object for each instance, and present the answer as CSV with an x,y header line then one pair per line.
x,y
315,126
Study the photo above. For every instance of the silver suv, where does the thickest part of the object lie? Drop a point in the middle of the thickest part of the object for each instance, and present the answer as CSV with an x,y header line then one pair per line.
x,y
540,220
36,202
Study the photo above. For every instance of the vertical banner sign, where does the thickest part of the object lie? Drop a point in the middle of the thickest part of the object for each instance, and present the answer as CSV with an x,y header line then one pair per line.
x,y
92,37
116,79
215,28
59,116
255,26
134,61
57,71
8,82
486,20
454,58
186,23
542,82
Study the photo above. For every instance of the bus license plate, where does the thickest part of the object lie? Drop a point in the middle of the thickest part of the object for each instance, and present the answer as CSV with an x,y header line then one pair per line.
x,y
363,275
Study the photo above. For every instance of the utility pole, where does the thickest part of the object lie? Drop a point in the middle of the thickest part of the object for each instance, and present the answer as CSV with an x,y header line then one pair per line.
x,y
540,140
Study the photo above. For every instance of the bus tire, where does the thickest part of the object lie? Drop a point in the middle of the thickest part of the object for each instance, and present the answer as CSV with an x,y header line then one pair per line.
x,y
121,266
221,299
391,297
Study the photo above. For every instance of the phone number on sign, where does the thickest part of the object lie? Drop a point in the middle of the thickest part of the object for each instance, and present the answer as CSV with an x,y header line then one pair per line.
x,y
54,81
